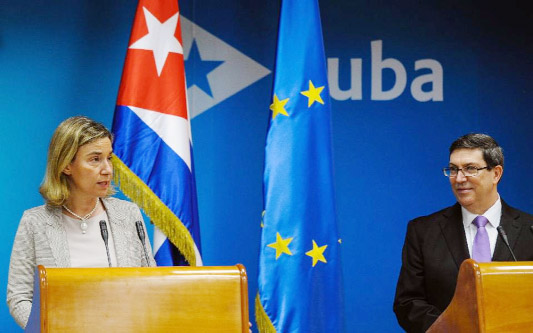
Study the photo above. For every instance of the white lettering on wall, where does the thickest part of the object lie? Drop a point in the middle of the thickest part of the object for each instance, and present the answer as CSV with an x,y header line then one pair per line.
x,y
378,65
432,81
356,91
435,78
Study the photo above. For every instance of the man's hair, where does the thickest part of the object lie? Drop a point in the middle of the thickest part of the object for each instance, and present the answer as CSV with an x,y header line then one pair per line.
x,y
492,152
68,137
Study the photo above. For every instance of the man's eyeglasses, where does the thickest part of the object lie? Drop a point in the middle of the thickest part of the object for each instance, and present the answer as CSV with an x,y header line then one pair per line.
x,y
469,171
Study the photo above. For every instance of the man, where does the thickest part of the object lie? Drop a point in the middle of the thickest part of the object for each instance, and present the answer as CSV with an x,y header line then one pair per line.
x,y
436,245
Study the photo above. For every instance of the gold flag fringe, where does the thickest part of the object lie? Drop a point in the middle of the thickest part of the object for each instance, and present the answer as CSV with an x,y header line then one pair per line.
x,y
264,325
135,189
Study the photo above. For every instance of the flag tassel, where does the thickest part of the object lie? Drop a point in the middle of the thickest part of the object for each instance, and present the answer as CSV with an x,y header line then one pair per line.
x,y
264,325
135,189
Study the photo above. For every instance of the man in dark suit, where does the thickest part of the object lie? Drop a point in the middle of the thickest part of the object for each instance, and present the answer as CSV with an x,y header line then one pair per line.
x,y
436,245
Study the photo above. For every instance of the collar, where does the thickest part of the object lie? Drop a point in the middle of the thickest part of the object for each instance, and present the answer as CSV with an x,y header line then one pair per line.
x,y
493,214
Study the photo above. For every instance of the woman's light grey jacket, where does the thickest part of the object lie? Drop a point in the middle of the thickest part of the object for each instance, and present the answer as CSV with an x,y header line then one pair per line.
x,y
41,239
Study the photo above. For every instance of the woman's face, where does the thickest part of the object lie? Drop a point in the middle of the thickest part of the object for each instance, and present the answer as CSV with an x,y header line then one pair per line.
x,y
90,173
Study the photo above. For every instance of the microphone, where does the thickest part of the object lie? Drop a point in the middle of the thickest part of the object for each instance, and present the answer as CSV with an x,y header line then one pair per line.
x,y
103,230
503,234
140,233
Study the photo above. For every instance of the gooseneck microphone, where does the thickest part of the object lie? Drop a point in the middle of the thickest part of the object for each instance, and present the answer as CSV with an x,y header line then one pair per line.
x,y
503,235
103,231
140,233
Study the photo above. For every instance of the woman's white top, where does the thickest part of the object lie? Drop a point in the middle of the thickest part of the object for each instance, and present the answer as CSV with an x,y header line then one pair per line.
x,y
88,250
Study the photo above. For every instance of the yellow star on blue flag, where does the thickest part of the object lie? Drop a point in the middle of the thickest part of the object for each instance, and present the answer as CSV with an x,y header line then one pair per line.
x,y
317,253
278,107
281,245
313,94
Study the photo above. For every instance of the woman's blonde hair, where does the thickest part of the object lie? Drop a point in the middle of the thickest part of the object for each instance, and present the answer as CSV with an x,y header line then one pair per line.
x,y
68,137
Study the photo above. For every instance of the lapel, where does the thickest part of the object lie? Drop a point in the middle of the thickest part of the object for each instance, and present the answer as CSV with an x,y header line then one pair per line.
x,y
451,223
57,237
511,225
117,226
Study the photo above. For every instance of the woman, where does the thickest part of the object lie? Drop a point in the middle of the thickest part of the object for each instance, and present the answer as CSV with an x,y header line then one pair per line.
x,y
65,232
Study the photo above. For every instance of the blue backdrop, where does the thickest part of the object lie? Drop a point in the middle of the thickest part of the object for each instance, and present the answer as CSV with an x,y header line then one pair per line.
x,y
472,63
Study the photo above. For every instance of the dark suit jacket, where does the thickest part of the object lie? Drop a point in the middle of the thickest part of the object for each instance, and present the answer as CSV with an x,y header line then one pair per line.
x,y
434,248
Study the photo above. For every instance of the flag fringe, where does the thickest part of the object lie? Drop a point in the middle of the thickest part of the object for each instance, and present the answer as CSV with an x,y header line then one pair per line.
x,y
264,325
163,218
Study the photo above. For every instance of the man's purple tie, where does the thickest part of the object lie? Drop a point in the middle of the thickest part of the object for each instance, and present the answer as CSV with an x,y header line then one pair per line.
x,y
481,248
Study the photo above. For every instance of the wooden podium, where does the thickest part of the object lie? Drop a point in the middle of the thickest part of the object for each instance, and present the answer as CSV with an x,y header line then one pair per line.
x,y
148,299
490,297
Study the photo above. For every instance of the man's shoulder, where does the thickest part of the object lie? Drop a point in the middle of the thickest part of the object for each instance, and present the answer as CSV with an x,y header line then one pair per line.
x,y
450,212
517,213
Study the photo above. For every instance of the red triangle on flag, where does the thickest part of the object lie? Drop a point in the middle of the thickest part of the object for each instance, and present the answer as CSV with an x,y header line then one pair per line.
x,y
141,86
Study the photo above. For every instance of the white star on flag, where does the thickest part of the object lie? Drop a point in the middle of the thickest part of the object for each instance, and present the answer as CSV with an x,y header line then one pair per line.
x,y
160,39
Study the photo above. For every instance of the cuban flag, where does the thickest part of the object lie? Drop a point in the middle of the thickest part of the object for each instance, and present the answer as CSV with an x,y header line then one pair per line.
x,y
153,148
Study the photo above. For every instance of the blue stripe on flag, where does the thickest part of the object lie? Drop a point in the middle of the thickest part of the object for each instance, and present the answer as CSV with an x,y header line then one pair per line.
x,y
169,255
158,166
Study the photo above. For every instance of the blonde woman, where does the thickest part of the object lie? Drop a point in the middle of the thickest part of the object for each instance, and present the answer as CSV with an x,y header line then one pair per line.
x,y
65,231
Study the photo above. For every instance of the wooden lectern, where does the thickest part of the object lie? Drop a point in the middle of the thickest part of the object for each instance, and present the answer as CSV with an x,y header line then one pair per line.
x,y
148,299
490,297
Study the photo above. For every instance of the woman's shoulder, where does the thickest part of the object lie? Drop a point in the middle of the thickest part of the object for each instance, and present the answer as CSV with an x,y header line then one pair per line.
x,y
119,204
40,211
39,214
121,210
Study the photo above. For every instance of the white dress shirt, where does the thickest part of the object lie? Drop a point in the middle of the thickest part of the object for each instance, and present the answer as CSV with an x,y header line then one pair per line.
x,y
493,214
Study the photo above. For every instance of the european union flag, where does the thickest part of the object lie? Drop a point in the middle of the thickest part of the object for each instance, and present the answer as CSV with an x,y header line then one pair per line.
x,y
299,264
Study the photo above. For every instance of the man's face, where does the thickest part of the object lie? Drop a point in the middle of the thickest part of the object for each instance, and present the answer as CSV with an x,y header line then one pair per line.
x,y
479,193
